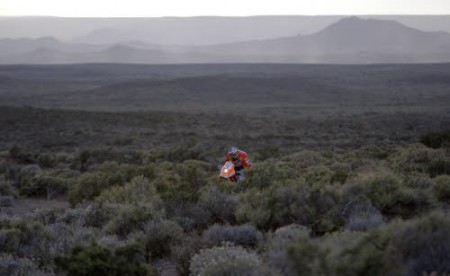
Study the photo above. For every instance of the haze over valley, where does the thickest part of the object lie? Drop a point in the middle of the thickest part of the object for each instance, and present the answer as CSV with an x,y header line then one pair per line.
x,y
276,39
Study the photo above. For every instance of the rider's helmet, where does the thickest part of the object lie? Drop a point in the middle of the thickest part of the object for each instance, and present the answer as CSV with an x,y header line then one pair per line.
x,y
233,151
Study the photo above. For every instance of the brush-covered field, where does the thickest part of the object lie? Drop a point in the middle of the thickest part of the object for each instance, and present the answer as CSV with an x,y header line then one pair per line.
x,y
110,169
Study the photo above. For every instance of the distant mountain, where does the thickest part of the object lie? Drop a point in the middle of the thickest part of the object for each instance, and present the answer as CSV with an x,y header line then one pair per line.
x,y
350,40
203,30
20,46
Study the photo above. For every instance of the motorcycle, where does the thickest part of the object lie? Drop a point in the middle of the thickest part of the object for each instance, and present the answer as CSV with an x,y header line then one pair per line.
x,y
228,172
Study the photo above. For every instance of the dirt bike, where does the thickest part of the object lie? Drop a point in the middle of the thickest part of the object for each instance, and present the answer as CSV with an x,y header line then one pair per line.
x,y
228,172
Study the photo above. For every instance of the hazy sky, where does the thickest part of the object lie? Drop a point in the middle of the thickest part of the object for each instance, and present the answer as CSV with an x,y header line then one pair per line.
x,y
156,8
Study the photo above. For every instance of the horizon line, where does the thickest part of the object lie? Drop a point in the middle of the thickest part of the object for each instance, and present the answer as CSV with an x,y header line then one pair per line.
x,y
208,16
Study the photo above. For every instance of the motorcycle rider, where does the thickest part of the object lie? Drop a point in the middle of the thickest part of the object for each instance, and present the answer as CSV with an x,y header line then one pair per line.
x,y
240,160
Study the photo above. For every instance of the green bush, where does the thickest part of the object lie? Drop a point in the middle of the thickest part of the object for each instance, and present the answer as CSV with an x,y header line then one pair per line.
x,y
436,139
441,187
227,260
423,245
341,172
97,260
90,185
263,174
304,159
277,246
307,258
43,185
86,159
25,238
137,190
132,217
317,207
363,216
419,159
180,182
21,155
47,160
244,235
256,207
189,150
392,198
415,247
221,205
11,265
160,236
319,175
98,214
374,151
6,189
367,256
189,216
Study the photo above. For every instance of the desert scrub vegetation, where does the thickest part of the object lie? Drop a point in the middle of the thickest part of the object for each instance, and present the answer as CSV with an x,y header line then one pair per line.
x,y
97,260
338,196
228,260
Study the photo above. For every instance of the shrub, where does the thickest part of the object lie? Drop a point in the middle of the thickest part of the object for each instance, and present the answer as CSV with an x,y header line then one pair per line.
x,y
66,237
25,173
85,159
184,252
13,266
25,238
132,217
374,151
441,187
160,236
256,207
419,182
243,235
423,245
415,247
44,185
278,243
47,160
307,258
6,189
180,182
181,152
392,198
366,256
304,159
21,155
417,158
436,139
188,215
221,205
136,191
341,172
90,185
121,173
320,209
318,175
98,214
363,217
97,260
227,260
262,175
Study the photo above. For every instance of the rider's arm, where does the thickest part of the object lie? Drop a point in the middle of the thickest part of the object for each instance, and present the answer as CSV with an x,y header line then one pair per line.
x,y
227,158
245,161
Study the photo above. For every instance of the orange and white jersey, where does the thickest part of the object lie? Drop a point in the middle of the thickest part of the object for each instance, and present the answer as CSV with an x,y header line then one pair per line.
x,y
241,161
